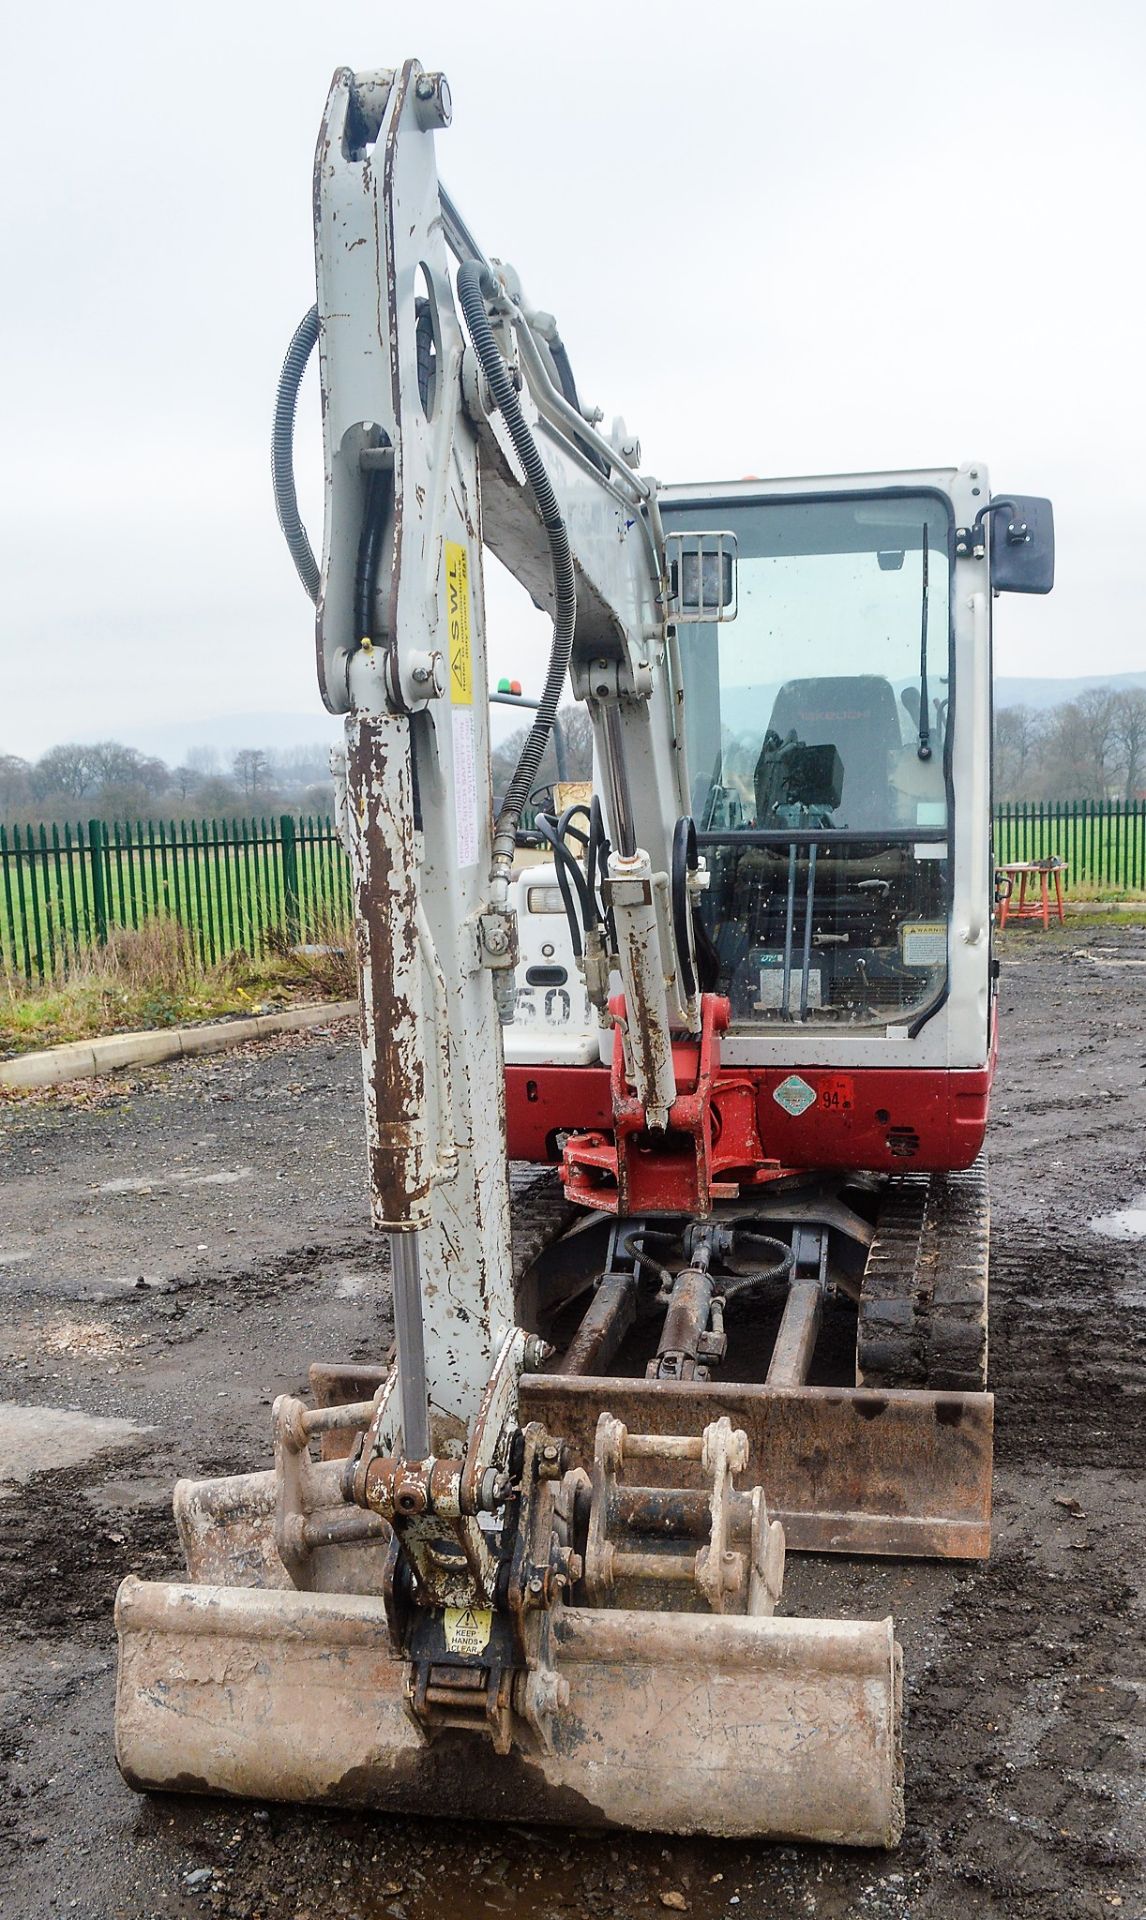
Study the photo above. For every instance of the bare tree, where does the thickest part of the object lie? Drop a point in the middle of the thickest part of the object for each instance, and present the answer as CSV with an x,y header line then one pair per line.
x,y
577,751
67,769
250,770
1130,736
1081,755
215,795
185,780
1019,733
123,769
15,781
1098,709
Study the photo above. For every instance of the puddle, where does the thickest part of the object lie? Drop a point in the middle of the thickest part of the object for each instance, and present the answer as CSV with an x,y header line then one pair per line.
x,y
1128,1223
33,1438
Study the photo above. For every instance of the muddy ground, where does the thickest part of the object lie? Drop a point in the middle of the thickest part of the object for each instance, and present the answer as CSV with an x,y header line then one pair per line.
x,y
175,1247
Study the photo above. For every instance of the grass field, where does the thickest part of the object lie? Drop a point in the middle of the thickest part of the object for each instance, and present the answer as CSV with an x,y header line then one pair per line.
x,y
1104,847
234,887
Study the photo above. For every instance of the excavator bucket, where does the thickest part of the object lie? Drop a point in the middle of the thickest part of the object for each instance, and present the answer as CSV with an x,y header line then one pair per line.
x,y
638,1706
677,1723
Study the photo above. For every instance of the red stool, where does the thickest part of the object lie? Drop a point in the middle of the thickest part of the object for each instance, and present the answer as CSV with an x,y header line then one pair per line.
x,y
1039,909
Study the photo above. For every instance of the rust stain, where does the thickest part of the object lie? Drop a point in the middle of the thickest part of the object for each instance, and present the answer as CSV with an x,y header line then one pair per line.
x,y
386,932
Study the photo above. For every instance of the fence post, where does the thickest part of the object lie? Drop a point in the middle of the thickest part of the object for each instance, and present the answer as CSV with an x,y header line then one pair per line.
x,y
96,835
290,876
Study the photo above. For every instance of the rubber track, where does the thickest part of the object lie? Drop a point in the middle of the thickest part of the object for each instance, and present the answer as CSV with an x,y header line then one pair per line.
x,y
923,1309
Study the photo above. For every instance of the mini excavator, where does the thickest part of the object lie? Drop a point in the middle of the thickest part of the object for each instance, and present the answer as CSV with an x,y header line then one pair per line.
x,y
740,996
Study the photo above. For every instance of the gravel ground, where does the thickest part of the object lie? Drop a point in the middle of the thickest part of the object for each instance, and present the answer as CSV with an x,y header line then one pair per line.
x,y
174,1249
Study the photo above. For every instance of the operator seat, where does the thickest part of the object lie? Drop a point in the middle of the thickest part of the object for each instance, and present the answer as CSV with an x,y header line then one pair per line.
x,y
856,714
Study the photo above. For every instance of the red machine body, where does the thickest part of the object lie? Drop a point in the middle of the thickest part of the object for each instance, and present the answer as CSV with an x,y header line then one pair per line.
x,y
882,1119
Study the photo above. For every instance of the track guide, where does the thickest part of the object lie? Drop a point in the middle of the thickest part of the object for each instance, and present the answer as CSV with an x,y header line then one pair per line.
x,y
923,1308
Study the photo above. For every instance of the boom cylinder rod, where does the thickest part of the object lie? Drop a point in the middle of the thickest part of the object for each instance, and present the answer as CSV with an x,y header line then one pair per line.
x,y
623,824
409,1337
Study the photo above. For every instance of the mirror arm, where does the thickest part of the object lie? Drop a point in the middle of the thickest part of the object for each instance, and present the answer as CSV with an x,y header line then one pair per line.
x,y
970,542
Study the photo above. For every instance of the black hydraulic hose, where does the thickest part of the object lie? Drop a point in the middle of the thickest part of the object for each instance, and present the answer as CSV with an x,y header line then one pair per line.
x,y
598,865
375,512
741,1286
567,870
564,372
636,1247
684,861
282,452
472,278
565,823
560,360
564,828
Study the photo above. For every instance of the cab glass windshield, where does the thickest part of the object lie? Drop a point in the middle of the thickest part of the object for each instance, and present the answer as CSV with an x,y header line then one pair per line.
x,y
816,734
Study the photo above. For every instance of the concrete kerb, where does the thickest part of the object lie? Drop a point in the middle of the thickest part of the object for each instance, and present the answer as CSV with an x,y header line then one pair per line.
x,y
81,1059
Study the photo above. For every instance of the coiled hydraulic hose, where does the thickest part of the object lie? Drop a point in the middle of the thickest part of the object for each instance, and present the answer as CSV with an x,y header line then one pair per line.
x,y
743,1286
472,280
282,452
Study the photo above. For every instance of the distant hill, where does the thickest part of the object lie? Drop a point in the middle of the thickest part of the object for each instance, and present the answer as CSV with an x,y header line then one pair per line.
x,y
1042,694
279,732
172,740
229,733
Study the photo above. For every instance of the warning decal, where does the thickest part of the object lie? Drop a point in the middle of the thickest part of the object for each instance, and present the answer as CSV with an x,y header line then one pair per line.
x,y
465,787
458,622
468,1629
794,1095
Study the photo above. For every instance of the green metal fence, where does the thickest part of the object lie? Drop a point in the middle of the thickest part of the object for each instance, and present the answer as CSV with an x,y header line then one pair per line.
x,y
232,885
1103,842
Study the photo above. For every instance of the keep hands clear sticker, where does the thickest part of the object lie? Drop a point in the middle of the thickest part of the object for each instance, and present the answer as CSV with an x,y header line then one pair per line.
x,y
467,1629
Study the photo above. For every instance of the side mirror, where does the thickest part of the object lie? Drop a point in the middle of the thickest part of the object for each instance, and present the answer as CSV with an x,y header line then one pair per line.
x,y
1022,544
702,576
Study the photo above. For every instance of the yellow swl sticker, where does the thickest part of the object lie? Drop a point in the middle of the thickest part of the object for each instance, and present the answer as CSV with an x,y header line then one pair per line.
x,y
458,621
468,1628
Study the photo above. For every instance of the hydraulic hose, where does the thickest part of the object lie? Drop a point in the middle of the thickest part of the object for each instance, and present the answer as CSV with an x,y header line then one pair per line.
x,y
742,1286
472,277
684,861
282,452
598,865
378,499
570,880
560,360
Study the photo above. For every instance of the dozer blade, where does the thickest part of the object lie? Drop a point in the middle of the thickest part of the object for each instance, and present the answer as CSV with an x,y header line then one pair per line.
x,y
672,1722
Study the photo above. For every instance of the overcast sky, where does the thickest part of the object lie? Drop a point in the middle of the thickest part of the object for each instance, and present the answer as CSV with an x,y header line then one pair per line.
x,y
817,236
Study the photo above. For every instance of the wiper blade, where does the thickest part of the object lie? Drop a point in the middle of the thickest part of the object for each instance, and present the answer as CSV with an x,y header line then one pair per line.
x,y
924,747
